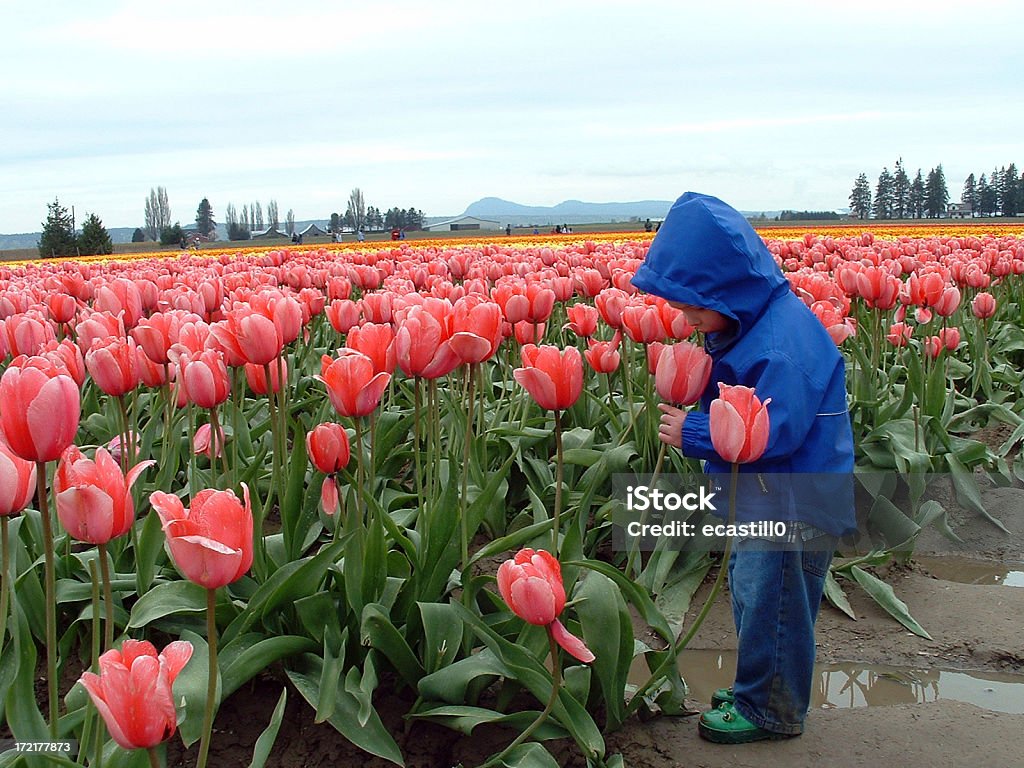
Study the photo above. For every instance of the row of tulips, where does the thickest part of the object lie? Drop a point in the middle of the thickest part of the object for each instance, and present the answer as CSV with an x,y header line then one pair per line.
x,y
434,369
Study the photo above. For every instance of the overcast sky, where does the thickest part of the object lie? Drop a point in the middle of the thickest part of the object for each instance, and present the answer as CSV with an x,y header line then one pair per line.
x,y
434,105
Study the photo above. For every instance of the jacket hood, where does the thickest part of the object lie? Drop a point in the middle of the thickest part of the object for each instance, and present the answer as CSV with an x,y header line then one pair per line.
x,y
707,255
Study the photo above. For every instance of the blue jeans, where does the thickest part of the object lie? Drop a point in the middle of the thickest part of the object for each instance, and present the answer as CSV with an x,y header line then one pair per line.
x,y
776,593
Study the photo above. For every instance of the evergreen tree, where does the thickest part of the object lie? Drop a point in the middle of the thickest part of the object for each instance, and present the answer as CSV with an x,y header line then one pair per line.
x,y
900,191
58,236
205,224
935,193
138,236
172,235
986,197
860,197
335,225
94,238
970,194
884,195
917,196
1012,202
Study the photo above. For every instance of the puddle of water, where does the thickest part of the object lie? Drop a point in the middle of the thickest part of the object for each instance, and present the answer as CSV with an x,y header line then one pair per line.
x,y
964,570
850,685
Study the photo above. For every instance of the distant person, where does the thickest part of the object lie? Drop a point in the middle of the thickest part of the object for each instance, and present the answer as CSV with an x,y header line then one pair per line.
x,y
508,229
360,236
536,230
401,234
396,233
657,226
647,226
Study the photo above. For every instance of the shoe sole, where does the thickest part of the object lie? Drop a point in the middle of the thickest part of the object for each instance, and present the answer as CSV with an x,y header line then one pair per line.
x,y
740,737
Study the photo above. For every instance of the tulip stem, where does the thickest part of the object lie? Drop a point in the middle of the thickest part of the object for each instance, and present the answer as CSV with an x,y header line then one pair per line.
x,y
87,725
154,758
51,598
108,598
211,686
464,523
559,473
417,438
556,684
215,445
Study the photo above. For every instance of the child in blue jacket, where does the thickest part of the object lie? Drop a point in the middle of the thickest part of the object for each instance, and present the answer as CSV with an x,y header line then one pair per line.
x,y
708,261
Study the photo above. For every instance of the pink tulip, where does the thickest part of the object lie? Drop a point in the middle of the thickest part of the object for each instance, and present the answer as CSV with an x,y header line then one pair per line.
x,y
376,341
553,377
683,372
40,406
94,500
133,691
950,338
603,356
205,378
328,449
353,386
582,320
899,334
531,585
113,364
17,480
422,345
739,424
210,542
983,306
256,376
202,444
343,314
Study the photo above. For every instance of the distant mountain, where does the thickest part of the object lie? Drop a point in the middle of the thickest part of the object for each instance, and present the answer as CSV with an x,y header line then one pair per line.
x,y
567,212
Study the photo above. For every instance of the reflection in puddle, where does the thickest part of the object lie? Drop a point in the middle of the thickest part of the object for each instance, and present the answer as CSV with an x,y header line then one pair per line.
x,y
964,570
849,685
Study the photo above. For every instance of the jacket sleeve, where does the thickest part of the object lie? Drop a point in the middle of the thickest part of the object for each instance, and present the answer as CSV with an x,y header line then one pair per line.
x,y
795,401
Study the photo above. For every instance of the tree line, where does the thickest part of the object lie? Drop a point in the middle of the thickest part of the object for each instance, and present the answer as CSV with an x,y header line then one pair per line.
x,y
60,238
896,196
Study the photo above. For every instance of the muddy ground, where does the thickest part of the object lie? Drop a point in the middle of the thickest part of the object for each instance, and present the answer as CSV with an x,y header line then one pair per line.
x,y
976,628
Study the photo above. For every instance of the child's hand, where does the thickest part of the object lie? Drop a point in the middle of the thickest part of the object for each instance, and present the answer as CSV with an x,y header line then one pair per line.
x,y
670,430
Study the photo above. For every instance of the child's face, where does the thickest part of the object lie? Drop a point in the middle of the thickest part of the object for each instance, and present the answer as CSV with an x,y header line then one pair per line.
x,y
704,320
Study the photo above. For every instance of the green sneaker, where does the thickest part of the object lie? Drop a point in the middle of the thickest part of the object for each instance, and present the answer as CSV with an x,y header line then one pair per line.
x,y
721,696
726,725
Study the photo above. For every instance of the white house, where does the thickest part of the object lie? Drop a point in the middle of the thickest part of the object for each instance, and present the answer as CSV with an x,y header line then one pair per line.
x,y
463,223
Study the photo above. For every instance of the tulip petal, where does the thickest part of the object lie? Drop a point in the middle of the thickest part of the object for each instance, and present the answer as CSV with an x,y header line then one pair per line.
x,y
87,513
539,385
572,644
728,433
204,561
533,600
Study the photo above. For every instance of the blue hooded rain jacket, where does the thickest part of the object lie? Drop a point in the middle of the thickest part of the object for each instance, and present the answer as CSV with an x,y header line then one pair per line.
x,y
707,255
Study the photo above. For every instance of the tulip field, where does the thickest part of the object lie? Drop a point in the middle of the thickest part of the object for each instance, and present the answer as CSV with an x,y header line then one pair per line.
x,y
366,470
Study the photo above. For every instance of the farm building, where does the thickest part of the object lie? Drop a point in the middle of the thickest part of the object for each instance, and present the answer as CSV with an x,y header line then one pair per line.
x,y
314,234
270,233
463,223
959,211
